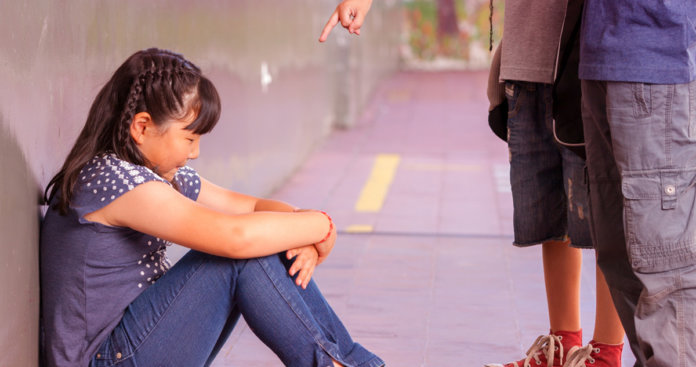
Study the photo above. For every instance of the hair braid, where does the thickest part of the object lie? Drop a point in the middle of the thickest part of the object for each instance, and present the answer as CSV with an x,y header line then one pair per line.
x,y
121,136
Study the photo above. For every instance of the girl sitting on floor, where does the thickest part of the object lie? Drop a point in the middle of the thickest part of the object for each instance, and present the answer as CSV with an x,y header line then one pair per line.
x,y
124,193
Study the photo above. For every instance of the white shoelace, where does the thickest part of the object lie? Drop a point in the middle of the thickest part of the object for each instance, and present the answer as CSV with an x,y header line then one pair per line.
x,y
545,344
578,355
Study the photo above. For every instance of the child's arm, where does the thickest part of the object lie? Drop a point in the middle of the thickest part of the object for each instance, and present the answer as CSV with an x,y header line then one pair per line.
x,y
231,202
227,201
351,14
159,210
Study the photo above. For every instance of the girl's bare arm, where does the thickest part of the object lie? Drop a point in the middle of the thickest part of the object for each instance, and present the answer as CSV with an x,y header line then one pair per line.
x,y
157,209
227,201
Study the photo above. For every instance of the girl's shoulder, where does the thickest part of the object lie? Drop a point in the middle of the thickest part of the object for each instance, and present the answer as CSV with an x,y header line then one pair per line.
x,y
105,178
108,171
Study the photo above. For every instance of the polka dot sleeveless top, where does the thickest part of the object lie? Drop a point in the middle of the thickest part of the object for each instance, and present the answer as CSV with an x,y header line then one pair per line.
x,y
96,271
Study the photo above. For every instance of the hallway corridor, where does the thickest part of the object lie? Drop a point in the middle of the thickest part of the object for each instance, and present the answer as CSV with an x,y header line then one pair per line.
x,y
423,272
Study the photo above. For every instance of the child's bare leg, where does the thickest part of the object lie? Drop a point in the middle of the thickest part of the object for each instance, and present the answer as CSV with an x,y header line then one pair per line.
x,y
608,329
562,265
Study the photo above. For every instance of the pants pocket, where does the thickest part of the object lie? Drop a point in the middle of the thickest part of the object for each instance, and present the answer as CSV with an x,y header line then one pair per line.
x,y
115,349
658,222
642,100
104,355
515,96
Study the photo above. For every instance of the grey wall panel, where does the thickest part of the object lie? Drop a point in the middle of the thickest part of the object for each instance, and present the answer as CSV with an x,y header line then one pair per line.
x,y
282,93
19,257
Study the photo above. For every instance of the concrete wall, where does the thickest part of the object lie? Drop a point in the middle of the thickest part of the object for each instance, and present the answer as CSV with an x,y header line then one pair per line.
x,y
282,93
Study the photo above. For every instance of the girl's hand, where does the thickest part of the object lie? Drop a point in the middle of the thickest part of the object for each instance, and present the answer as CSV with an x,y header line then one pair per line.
x,y
305,262
324,248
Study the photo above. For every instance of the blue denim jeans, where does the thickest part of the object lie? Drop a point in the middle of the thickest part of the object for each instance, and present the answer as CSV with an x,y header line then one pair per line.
x,y
549,194
641,160
186,316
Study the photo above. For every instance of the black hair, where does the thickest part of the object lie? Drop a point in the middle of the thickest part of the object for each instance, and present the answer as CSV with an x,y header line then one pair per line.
x,y
159,82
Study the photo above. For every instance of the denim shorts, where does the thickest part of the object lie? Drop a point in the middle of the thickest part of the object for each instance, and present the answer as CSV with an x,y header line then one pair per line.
x,y
549,192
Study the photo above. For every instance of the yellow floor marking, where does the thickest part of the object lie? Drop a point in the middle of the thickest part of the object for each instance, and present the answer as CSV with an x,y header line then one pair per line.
x,y
359,228
377,186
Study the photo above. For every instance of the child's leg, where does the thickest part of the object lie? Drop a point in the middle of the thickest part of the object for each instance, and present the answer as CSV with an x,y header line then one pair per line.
x,y
562,266
606,347
184,318
279,310
608,329
181,320
226,331
544,208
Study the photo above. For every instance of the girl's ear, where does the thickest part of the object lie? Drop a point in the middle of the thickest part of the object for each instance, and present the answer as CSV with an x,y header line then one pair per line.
x,y
141,122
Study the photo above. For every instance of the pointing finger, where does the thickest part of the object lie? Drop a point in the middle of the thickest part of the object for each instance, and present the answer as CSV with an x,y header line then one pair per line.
x,y
333,20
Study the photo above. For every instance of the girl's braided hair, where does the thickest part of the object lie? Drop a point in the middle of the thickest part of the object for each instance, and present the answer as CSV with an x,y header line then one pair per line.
x,y
159,82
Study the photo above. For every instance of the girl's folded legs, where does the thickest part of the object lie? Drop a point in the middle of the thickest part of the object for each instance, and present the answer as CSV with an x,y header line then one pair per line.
x,y
197,303
297,324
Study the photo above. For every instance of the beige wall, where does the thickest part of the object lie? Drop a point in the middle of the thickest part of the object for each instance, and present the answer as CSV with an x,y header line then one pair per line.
x,y
282,94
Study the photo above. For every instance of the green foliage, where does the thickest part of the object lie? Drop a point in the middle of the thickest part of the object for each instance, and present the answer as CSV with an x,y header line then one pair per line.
x,y
473,16
421,18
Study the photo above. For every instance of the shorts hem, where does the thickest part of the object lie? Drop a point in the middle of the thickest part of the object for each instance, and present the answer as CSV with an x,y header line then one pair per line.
x,y
517,243
584,246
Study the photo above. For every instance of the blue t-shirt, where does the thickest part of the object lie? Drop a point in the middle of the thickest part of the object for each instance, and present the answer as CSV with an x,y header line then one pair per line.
x,y
646,41
91,272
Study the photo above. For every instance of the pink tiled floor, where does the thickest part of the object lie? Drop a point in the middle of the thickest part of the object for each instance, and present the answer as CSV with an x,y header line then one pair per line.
x,y
437,283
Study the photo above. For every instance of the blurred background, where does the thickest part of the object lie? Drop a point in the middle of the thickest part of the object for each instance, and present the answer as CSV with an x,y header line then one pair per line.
x,y
284,94
450,34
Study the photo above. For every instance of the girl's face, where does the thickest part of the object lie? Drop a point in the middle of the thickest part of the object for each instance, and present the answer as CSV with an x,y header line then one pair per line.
x,y
169,147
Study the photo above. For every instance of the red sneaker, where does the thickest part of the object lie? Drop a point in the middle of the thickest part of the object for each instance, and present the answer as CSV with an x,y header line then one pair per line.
x,y
546,348
595,355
